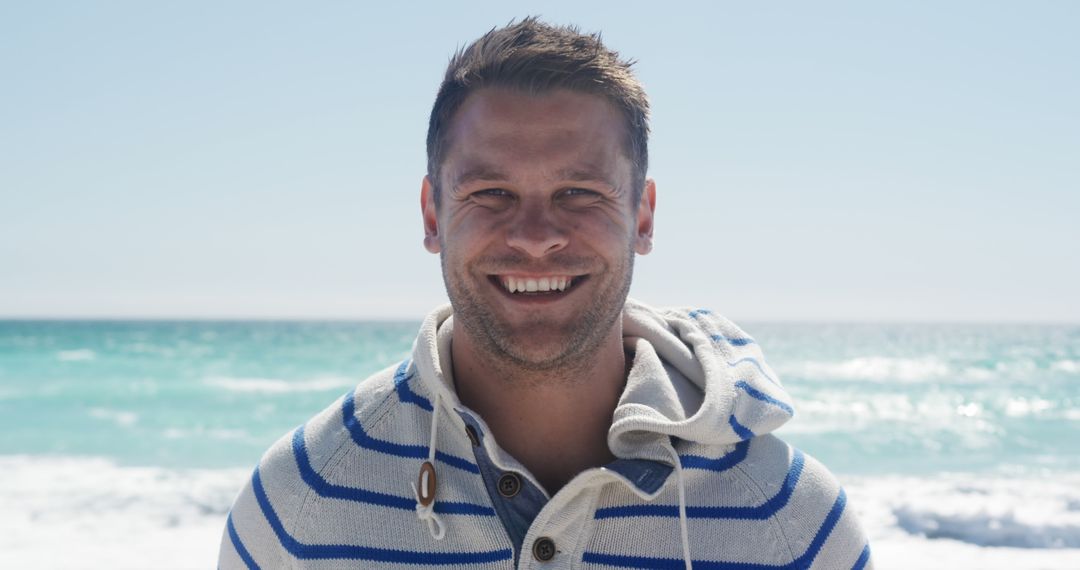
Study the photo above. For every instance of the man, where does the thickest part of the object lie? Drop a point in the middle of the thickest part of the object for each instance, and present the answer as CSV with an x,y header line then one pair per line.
x,y
545,421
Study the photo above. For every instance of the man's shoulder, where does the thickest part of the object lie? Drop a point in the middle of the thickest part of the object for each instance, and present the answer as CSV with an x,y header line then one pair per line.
x,y
775,466
801,496
315,442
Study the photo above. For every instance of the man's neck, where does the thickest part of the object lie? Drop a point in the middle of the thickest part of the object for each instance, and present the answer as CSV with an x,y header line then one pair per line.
x,y
554,422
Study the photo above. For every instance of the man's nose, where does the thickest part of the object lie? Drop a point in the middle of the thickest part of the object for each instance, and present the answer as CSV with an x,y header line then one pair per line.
x,y
536,232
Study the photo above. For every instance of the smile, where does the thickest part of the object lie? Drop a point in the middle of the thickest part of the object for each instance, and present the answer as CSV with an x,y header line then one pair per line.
x,y
537,284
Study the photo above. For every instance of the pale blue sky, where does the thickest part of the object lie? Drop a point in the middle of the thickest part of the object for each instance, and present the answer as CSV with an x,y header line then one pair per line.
x,y
827,161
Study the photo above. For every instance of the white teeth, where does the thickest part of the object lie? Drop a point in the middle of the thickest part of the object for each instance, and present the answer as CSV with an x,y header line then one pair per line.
x,y
525,284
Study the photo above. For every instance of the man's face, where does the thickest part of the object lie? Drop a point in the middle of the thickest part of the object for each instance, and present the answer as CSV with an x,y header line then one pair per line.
x,y
537,225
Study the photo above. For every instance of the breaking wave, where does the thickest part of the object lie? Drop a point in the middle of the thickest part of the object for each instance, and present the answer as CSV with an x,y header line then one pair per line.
x,y
278,386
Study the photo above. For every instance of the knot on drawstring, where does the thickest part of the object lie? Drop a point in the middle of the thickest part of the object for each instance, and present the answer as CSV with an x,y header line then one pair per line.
x,y
427,483
683,527
425,504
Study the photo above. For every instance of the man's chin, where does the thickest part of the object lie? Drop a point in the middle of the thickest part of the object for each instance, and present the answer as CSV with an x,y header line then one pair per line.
x,y
536,351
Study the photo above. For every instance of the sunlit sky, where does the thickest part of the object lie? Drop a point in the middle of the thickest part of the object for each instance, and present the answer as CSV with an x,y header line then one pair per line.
x,y
915,161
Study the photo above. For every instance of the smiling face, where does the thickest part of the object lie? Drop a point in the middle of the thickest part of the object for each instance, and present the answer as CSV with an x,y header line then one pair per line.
x,y
537,224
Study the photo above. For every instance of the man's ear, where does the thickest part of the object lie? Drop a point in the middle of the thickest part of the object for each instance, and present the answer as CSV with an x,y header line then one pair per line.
x,y
645,211
430,215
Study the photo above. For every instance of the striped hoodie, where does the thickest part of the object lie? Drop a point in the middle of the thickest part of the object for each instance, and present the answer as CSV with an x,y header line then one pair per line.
x,y
699,480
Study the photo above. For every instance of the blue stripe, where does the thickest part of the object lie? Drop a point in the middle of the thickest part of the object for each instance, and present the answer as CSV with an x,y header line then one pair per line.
x,y
863,559
348,411
405,393
355,552
757,365
637,561
732,341
239,545
330,490
695,314
759,395
719,463
742,431
824,531
761,512
800,563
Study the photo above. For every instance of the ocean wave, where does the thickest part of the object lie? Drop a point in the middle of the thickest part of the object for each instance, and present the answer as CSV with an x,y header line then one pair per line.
x,y
114,516
1022,407
201,432
119,417
871,368
1069,366
76,355
924,412
278,386
921,369
985,511
841,411
120,517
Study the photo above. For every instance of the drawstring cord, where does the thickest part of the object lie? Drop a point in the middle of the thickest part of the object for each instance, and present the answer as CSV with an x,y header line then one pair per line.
x,y
425,494
683,528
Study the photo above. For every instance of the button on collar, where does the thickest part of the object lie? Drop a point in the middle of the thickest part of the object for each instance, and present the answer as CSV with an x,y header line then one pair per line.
x,y
509,485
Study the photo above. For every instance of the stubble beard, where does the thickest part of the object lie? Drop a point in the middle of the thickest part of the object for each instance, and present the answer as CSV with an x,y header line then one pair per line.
x,y
504,347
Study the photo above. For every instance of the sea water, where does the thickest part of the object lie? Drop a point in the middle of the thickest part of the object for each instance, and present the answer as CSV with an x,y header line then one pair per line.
x,y
123,444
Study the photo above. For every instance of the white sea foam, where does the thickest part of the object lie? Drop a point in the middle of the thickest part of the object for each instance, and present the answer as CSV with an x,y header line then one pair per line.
x,y
201,432
1070,366
108,516
277,386
921,369
871,368
122,517
119,417
1020,407
76,355
923,413
970,521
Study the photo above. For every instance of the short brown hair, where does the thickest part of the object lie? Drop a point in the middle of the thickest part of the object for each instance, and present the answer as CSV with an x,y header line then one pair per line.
x,y
536,57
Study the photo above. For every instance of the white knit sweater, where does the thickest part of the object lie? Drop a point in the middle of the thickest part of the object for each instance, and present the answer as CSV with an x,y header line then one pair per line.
x,y
341,490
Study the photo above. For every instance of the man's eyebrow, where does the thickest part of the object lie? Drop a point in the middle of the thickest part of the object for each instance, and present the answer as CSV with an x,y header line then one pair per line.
x,y
488,173
481,172
584,175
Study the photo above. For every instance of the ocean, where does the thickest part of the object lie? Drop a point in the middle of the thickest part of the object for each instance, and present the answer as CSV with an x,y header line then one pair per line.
x,y
124,442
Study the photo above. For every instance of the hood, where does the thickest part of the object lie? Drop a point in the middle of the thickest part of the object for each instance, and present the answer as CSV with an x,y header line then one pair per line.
x,y
695,376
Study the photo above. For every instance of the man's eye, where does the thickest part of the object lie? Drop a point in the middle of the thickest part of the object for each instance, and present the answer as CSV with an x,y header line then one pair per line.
x,y
580,195
492,198
492,193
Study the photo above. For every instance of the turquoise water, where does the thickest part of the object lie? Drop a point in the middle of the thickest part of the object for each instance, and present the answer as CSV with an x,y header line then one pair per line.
x,y
958,445
871,399
177,394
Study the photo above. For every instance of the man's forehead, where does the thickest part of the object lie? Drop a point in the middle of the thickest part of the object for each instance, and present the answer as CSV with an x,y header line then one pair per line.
x,y
561,134
478,170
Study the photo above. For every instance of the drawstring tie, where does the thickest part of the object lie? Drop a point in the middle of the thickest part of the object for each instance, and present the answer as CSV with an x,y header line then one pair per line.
x,y
426,485
682,509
